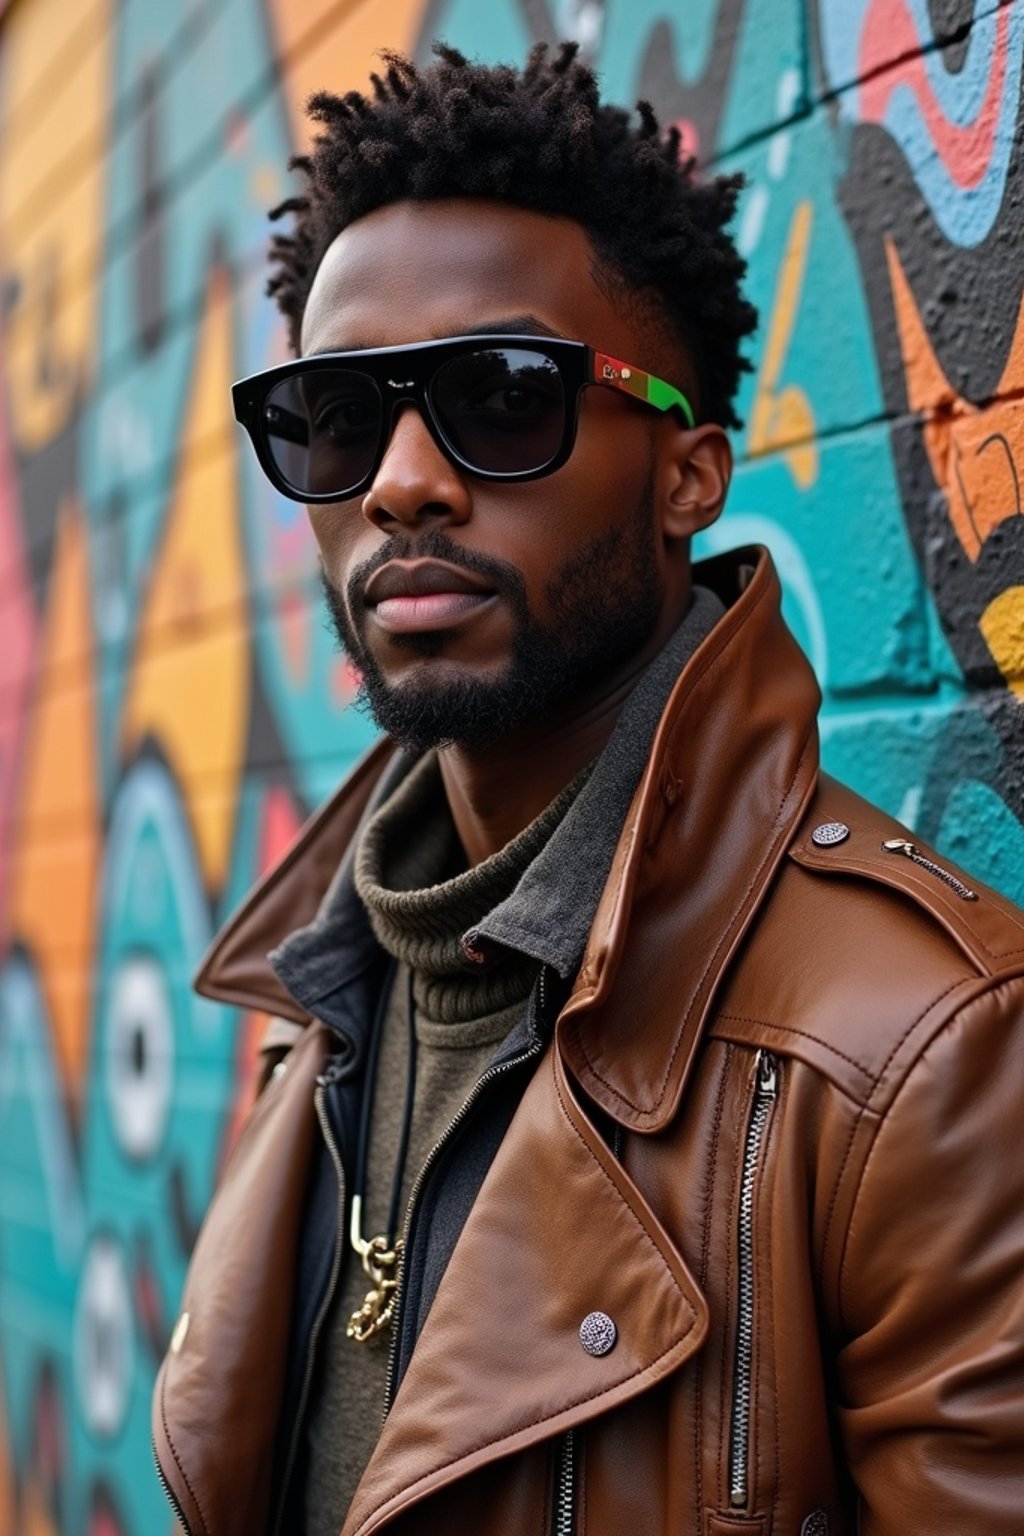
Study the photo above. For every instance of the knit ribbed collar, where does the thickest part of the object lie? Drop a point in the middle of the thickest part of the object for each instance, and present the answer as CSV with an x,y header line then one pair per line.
x,y
419,910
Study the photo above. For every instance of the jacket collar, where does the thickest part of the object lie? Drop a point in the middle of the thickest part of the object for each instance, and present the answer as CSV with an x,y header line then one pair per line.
x,y
733,763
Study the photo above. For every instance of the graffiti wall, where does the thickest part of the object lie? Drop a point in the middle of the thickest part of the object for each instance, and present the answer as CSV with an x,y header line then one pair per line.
x,y
171,705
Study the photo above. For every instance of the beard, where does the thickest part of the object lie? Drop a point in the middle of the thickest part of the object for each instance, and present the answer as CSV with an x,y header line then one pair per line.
x,y
605,601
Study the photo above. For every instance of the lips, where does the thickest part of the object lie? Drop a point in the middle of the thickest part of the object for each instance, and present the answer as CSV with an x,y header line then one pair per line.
x,y
421,578
412,597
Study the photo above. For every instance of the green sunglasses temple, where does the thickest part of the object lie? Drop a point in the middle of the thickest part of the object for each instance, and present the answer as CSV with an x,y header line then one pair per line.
x,y
643,386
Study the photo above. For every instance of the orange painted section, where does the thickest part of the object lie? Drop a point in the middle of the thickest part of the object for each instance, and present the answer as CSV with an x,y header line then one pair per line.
x,y
976,454
332,47
55,102
190,682
57,835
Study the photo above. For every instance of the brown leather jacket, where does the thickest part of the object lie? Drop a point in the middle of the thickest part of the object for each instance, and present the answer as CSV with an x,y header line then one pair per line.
x,y
808,1228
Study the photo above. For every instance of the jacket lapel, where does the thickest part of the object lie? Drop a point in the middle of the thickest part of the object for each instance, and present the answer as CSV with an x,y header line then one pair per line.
x,y
558,1231
733,765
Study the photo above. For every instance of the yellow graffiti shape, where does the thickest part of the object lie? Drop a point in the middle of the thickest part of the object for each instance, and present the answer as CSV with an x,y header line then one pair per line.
x,y
322,48
783,417
55,858
973,452
190,679
55,104
1002,625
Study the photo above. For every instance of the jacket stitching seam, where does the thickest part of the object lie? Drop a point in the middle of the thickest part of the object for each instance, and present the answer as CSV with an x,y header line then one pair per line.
x,y
638,1220
914,884
791,1029
750,886
709,666
849,1150
662,1086
833,1202
883,1120
177,1459
911,1027
528,1424
714,661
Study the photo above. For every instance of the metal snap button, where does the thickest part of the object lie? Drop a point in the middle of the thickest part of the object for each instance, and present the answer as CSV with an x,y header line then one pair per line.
x,y
829,833
816,1524
598,1333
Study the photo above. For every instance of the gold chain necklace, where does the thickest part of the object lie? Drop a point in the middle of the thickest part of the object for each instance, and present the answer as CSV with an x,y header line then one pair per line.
x,y
380,1255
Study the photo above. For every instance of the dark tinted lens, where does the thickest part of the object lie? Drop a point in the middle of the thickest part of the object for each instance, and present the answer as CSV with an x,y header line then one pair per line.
x,y
502,409
323,428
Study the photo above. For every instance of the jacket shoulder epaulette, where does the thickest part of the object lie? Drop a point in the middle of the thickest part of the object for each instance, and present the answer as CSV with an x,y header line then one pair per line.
x,y
867,944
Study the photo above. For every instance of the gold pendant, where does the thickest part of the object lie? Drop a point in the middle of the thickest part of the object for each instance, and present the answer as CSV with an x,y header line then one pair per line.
x,y
381,1264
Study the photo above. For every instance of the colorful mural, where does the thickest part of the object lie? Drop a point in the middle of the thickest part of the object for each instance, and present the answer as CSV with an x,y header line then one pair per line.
x,y
171,704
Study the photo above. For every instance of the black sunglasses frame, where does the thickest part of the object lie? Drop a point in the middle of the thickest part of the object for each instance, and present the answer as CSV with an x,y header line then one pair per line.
x,y
405,373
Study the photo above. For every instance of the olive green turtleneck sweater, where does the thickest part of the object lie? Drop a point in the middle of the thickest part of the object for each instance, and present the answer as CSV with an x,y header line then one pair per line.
x,y
420,899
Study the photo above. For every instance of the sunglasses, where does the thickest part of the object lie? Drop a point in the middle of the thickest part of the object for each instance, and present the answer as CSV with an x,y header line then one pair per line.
x,y
502,407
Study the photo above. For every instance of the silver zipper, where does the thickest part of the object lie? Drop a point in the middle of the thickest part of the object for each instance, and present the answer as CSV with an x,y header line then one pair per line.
x,y
172,1499
565,1495
318,1322
488,1077
910,851
765,1092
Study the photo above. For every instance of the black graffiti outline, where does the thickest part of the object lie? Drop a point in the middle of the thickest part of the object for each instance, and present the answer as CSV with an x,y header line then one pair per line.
x,y
1000,437
702,100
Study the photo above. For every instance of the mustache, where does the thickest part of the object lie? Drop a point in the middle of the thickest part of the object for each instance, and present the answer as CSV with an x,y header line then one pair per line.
x,y
436,545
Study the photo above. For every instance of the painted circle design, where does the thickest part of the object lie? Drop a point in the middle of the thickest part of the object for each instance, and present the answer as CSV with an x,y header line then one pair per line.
x,y
104,1354
140,1055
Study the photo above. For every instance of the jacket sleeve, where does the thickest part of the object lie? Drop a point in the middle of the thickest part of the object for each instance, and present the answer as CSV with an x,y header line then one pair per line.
x,y
931,1370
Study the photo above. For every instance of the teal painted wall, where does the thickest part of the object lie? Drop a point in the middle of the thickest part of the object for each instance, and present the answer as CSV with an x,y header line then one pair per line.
x,y
170,703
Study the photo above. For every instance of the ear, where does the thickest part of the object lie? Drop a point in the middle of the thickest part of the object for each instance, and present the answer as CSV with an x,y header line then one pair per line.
x,y
695,470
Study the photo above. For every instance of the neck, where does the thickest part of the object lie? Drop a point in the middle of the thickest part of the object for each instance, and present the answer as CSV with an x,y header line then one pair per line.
x,y
496,791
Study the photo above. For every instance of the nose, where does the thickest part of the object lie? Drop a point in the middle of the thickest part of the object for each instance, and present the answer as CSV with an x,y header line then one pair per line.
x,y
415,481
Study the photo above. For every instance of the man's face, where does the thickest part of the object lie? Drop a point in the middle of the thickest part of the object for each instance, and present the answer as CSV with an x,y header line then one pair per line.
x,y
569,575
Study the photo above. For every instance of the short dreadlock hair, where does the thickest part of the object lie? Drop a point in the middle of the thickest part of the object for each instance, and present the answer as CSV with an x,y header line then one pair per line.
x,y
540,139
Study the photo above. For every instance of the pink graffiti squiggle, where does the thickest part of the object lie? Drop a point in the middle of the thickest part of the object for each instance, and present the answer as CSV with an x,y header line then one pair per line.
x,y
966,149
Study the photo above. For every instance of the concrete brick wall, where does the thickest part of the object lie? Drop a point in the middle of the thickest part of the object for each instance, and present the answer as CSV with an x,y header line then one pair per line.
x,y
170,703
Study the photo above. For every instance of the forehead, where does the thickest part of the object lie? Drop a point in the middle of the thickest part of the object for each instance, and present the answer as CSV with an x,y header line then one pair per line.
x,y
412,271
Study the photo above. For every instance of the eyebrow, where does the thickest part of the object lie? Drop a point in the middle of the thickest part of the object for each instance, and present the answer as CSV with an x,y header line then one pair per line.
x,y
509,325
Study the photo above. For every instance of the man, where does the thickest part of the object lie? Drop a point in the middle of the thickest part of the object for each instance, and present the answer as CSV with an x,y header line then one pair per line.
x,y
638,1139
